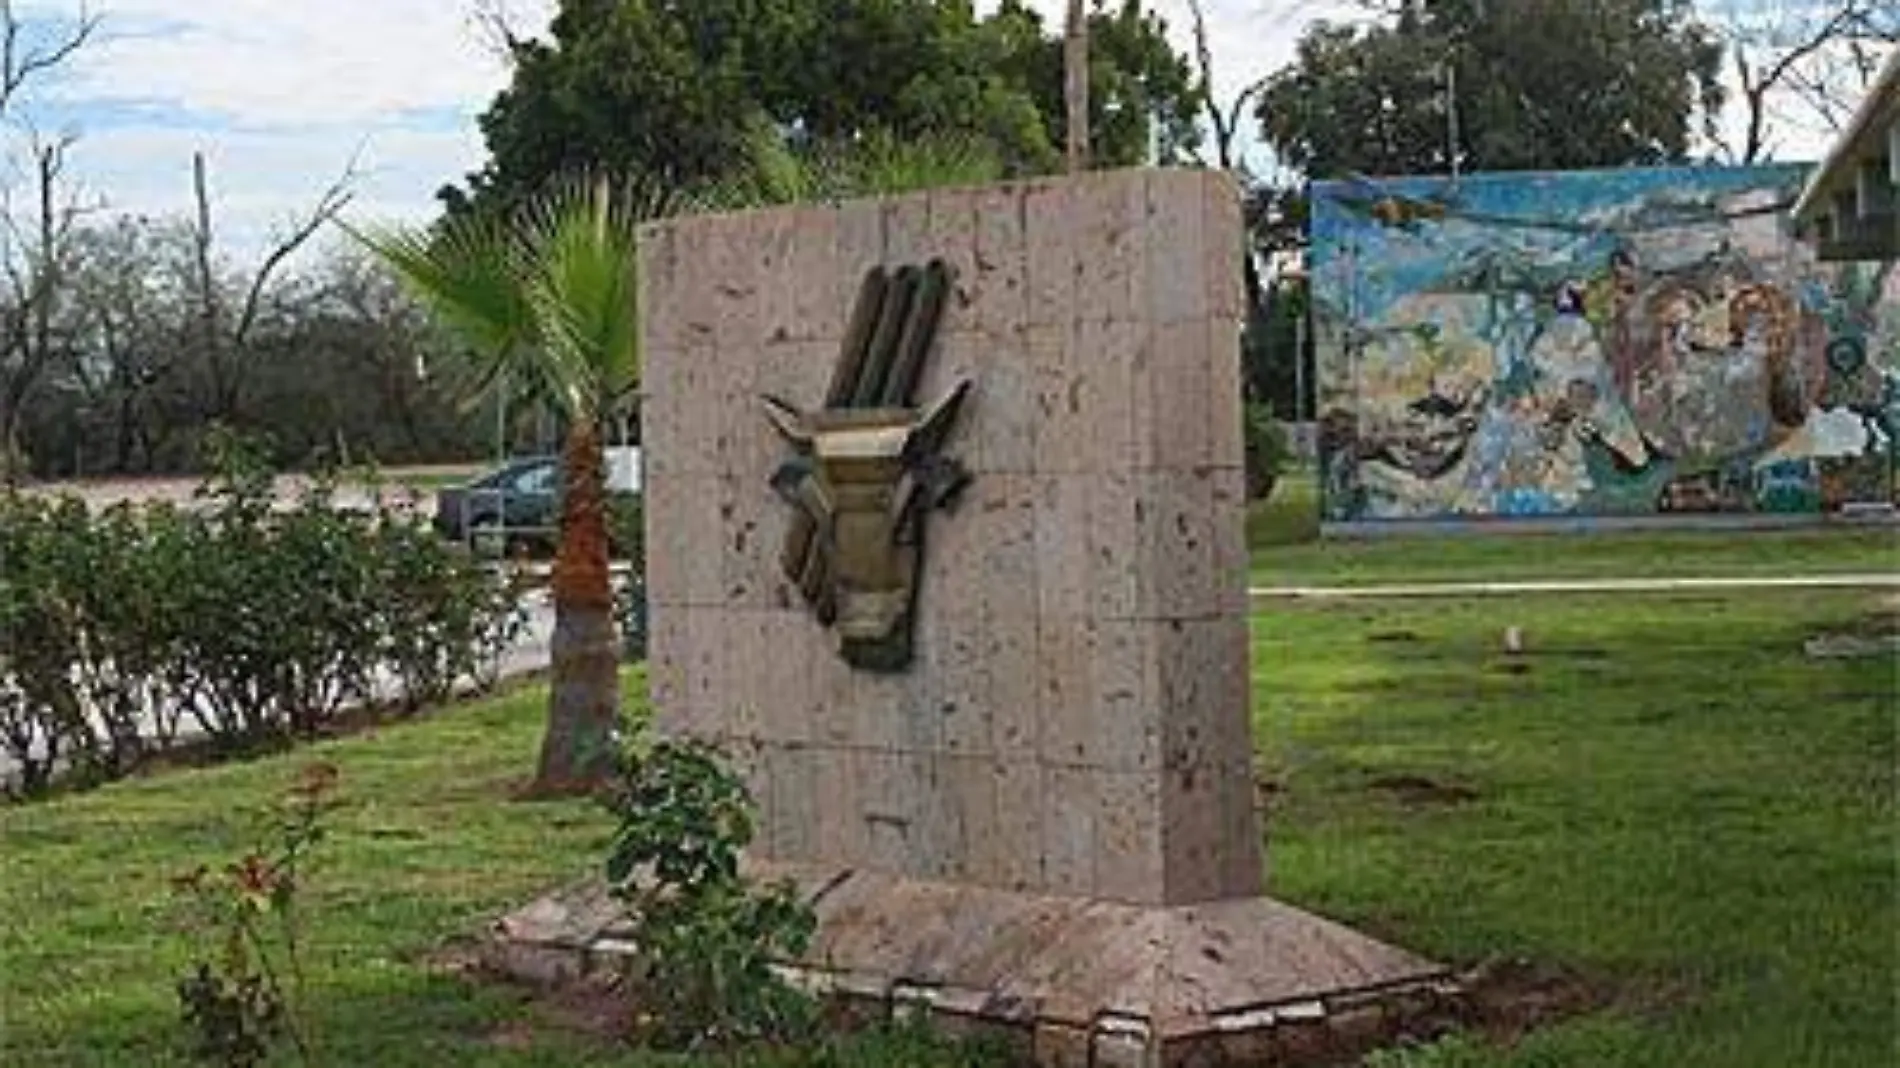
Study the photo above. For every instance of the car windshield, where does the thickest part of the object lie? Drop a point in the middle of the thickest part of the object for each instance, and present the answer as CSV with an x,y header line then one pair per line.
x,y
532,476
536,479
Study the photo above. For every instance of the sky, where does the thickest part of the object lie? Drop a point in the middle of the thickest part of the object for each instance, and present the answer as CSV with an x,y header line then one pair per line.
x,y
284,95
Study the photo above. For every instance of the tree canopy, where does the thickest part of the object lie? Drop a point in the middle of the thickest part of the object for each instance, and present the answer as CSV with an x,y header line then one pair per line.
x,y
1540,84
670,90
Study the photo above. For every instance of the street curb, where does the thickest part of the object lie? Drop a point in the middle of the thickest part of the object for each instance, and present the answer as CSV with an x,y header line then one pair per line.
x,y
1649,585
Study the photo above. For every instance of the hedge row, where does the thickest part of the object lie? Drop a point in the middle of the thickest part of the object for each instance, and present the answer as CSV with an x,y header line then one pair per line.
x,y
124,632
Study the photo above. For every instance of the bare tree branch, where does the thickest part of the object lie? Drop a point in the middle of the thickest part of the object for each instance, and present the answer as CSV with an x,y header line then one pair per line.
x,y
224,350
27,337
1790,55
496,25
1226,122
201,243
18,65
329,204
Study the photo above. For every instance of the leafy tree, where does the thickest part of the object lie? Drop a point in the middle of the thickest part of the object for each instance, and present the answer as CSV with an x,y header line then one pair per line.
x,y
1540,84
339,361
1271,343
127,314
355,367
671,90
35,259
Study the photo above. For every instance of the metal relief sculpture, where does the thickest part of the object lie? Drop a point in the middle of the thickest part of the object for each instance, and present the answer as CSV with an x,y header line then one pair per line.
x,y
867,469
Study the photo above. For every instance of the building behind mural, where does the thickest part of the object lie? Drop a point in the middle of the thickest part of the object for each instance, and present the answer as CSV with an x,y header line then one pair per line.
x,y
1595,343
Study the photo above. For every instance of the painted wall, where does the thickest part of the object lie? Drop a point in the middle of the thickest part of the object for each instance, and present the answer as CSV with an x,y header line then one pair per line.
x,y
1588,343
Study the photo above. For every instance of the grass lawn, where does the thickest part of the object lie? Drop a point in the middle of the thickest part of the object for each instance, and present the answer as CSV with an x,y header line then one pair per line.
x,y
1284,534
1668,801
426,848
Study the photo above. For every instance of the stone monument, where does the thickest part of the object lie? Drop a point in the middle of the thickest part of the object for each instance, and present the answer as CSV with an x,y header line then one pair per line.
x,y
945,526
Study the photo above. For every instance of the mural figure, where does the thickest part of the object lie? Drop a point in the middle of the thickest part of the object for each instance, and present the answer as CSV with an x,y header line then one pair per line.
x,y
1595,343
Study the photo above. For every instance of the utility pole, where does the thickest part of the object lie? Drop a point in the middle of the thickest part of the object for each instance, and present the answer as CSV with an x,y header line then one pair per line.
x,y
1451,114
1075,66
1450,62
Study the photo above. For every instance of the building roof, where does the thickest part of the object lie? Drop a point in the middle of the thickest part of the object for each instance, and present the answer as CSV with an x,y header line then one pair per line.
x,y
1849,203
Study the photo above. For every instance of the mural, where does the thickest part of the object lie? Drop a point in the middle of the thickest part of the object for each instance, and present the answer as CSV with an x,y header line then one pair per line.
x,y
1595,343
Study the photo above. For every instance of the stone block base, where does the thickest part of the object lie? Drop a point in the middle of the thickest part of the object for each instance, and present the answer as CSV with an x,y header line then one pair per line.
x,y
1065,981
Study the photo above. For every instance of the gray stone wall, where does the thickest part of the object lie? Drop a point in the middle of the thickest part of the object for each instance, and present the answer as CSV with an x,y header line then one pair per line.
x,y
1077,718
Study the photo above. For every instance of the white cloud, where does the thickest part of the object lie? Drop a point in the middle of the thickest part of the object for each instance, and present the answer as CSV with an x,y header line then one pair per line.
x,y
262,181
281,96
282,93
286,62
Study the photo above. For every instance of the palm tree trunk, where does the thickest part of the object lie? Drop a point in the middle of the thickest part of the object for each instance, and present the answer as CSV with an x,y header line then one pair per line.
x,y
583,706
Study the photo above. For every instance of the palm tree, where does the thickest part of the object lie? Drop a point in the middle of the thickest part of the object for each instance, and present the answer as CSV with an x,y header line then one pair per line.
x,y
547,297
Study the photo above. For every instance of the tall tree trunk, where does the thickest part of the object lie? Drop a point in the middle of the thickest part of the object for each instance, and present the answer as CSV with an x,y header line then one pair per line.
x,y
1075,68
583,706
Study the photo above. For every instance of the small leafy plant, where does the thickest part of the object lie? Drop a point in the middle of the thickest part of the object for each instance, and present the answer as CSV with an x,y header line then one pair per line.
x,y
240,997
708,937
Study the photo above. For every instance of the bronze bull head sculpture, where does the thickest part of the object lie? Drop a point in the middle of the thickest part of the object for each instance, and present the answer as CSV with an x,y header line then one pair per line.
x,y
868,468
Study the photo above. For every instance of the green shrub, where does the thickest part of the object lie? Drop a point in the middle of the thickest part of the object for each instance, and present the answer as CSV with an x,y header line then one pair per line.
x,y
42,716
707,937
255,625
1268,451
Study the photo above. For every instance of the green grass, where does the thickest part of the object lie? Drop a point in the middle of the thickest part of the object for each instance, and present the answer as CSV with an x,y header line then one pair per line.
x,y
1671,800
1284,535
426,848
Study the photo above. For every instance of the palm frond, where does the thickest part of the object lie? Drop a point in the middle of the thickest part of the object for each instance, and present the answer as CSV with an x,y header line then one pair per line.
x,y
769,172
878,164
466,272
774,171
584,290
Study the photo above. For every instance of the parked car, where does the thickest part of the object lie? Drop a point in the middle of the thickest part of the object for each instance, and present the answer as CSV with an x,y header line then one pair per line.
x,y
517,506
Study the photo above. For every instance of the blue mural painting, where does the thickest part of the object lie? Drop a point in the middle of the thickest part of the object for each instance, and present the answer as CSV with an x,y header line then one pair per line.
x,y
1595,343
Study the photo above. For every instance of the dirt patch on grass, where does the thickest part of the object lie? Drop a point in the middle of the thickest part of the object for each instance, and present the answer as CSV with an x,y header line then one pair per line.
x,y
1508,998
1872,634
1419,791
596,1008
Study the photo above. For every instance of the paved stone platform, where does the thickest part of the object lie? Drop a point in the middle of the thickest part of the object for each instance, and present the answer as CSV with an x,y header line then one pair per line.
x,y
1064,980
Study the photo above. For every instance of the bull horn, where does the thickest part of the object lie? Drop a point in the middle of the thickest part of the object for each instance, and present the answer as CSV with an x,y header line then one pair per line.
x,y
788,420
935,425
